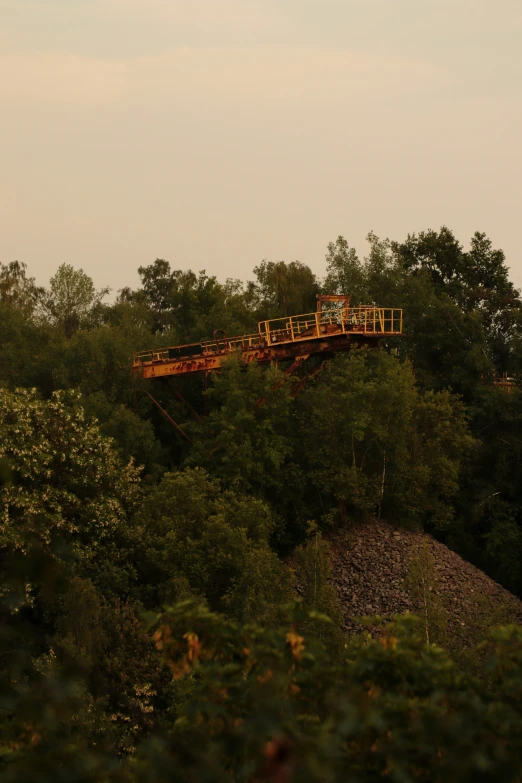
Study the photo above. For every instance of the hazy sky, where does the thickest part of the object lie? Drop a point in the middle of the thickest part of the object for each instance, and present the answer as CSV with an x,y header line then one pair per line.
x,y
216,133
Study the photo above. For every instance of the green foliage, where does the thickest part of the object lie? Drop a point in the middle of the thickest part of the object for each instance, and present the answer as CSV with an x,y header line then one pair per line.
x,y
443,445
460,310
285,289
414,432
313,567
233,309
192,306
423,587
128,678
345,273
198,540
375,445
271,704
52,730
490,514
133,436
244,439
67,475
80,679
476,278
72,301
177,299
23,342
79,623
476,281
70,491
17,290
268,704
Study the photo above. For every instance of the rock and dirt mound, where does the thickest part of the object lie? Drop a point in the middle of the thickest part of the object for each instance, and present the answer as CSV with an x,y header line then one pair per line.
x,y
380,570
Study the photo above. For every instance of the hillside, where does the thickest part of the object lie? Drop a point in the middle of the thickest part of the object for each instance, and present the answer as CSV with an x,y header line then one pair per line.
x,y
155,530
379,570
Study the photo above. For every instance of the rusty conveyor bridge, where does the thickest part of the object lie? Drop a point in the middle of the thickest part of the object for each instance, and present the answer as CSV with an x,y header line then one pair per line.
x,y
337,328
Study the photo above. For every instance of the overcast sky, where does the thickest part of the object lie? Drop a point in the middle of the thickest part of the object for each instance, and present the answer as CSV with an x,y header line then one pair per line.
x,y
216,133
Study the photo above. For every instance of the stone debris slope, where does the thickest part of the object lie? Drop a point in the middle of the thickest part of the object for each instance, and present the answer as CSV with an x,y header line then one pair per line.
x,y
379,570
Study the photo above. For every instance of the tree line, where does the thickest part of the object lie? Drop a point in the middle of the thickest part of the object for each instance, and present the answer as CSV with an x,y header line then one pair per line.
x,y
108,516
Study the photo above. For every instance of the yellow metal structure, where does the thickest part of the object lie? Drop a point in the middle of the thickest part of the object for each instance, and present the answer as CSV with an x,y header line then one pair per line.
x,y
322,332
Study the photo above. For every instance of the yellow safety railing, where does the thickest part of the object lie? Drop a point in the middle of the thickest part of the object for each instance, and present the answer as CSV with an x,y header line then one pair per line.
x,y
363,319
231,343
193,350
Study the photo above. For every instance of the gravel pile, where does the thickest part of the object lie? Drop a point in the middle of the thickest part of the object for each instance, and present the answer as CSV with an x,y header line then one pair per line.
x,y
379,570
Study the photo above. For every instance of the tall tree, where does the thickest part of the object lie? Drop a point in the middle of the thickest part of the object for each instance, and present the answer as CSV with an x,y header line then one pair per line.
x,y
244,439
476,281
180,300
17,290
375,446
345,273
71,299
285,288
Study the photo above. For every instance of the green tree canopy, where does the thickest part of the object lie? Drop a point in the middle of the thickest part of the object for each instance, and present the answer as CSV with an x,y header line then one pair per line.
x,y
18,290
285,288
70,491
71,299
345,273
199,540
375,445
243,440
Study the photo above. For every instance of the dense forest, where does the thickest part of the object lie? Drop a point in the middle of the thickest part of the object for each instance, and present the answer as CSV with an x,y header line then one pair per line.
x,y
150,625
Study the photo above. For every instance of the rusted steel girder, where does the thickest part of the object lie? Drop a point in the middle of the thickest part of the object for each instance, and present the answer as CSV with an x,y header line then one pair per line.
x,y
288,372
169,418
188,407
197,365
301,383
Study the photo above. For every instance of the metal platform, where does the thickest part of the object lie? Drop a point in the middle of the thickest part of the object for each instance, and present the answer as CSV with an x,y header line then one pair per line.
x,y
338,328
